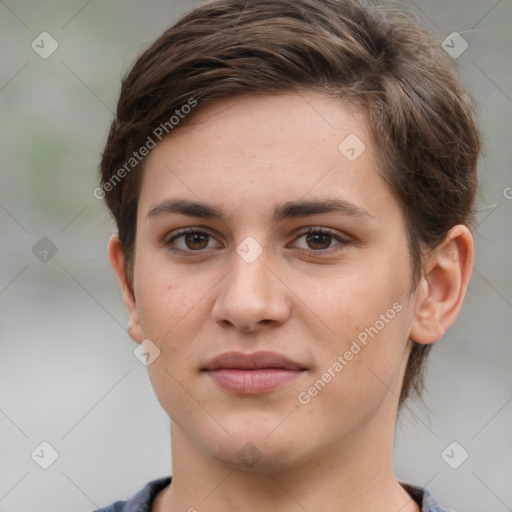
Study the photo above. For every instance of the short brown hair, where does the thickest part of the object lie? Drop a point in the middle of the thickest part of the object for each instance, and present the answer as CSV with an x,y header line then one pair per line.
x,y
420,117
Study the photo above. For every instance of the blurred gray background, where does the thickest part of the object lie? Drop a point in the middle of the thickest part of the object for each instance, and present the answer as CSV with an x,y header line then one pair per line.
x,y
68,376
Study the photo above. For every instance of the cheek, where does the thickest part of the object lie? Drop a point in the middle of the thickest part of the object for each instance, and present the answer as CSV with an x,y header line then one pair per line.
x,y
172,309
348,302
357,378
368,319
164,298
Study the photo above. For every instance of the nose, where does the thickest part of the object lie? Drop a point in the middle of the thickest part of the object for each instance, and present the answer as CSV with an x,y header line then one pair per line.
x,y
251,297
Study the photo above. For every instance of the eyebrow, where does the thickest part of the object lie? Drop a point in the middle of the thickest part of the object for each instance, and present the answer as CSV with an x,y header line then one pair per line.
x,y
288,210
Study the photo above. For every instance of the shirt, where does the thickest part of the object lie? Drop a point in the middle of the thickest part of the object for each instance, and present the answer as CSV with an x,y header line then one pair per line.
x,y
143,500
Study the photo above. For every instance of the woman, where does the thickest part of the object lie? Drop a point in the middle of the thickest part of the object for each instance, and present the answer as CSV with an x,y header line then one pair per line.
x,y
293,186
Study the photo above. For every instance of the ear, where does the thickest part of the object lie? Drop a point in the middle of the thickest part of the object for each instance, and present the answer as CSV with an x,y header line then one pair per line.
x,y
118,262
441,293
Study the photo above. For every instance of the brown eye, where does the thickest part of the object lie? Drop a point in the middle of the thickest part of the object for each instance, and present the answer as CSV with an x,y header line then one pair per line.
x,y
196,241
319,241
191,241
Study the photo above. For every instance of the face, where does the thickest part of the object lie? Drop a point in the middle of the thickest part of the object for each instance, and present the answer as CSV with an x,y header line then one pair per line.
x,y
292,266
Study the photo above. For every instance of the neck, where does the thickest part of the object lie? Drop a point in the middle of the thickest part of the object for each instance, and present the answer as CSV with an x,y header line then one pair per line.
x,y
355,475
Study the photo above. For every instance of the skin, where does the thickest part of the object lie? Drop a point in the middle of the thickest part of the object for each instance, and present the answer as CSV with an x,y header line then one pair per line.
x,y
306,298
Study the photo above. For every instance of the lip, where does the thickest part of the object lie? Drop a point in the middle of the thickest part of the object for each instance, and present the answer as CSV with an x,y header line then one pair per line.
x,y
253,361
255,373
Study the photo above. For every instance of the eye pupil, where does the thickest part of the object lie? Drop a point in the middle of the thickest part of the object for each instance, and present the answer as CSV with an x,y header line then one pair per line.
x,y
196,240
318,240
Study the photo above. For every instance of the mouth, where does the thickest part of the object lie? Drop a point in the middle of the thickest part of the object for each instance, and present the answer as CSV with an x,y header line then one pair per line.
x,y
250,374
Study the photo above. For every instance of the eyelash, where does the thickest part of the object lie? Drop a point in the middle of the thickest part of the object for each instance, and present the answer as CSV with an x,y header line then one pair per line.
x,y
342,241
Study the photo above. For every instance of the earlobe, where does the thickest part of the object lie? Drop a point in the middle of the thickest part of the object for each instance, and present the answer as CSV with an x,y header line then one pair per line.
x,y
118,262
440,295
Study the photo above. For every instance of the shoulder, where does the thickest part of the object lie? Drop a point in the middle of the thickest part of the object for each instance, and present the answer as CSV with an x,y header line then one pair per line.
x,y
142,501
115,507
424,499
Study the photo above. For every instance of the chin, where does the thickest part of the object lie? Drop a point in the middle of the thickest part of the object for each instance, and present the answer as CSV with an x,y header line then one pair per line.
x,y
258,452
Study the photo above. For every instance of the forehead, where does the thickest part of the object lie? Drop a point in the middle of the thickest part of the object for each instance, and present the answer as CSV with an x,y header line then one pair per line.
x,y
279,127
257,150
